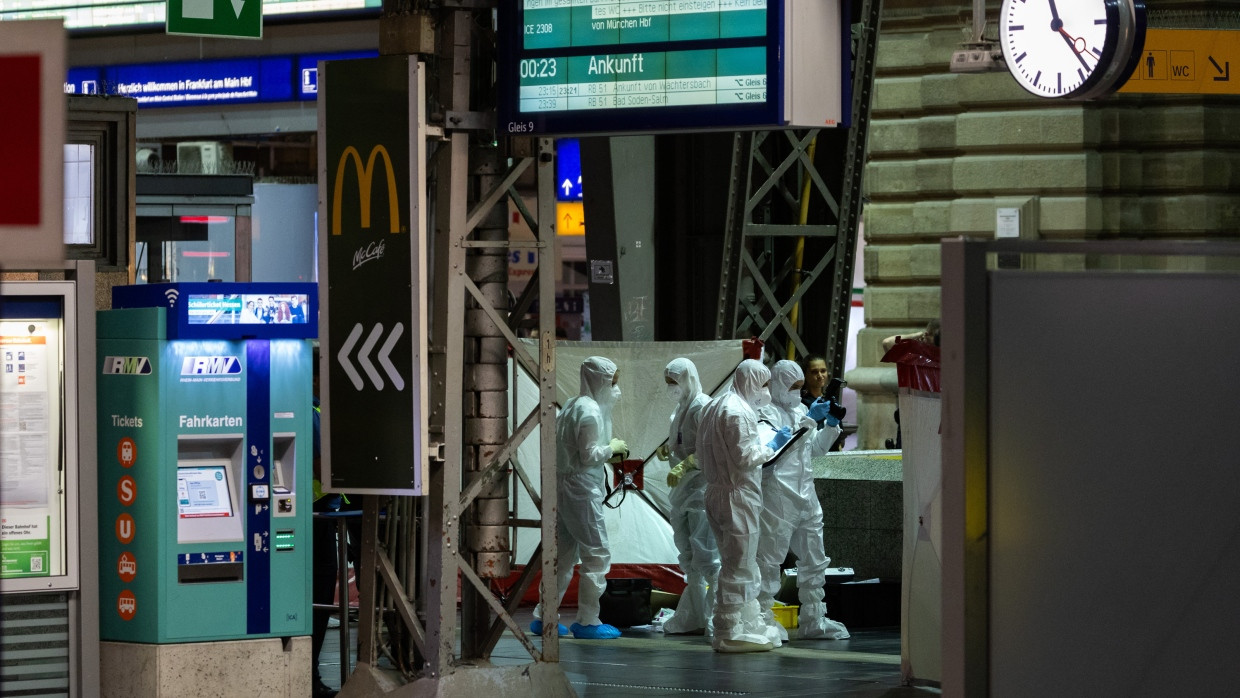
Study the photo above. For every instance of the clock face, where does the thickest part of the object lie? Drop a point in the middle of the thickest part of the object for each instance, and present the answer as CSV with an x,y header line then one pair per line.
x,y
1059,48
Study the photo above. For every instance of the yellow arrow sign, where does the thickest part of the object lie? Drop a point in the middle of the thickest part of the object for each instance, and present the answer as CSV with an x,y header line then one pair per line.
x,y
570,218
1188,61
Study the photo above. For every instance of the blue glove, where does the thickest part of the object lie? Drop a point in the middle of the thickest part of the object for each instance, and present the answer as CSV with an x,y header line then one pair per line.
x,y
826,410
820,410
783,436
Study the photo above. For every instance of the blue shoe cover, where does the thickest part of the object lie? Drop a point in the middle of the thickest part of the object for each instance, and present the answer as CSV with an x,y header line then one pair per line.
x,y
537,627
602,631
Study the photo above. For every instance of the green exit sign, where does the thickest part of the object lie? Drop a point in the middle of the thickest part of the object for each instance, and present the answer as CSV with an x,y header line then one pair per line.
x,y
237,19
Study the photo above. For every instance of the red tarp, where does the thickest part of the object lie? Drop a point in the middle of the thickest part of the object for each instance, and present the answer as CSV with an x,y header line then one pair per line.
x,y
662,577
917,365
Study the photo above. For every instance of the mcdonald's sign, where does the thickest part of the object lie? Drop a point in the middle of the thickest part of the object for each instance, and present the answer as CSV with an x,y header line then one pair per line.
x,y
371,274
365,172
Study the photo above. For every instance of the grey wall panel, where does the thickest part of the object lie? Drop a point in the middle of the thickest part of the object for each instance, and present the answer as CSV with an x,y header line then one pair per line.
x,y
1114,483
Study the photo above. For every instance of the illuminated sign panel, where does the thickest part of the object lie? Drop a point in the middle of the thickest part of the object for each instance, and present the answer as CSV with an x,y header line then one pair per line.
x,y
568,170
209,82
616,66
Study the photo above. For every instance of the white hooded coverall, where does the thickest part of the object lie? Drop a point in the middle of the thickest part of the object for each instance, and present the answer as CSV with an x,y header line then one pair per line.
x,y
732,454
698,554
791,514
583,445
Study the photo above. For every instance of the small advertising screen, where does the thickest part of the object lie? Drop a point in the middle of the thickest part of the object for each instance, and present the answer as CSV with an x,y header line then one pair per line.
x,y
247,309
221,310
202,492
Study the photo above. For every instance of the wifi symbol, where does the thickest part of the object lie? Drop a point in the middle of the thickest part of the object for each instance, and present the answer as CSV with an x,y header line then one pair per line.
x,y
171,294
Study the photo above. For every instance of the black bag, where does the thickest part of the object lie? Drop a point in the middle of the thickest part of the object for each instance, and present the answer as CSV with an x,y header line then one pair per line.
x,y
626,603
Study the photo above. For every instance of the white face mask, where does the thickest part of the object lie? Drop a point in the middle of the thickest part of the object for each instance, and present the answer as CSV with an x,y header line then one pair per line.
x,y
674,391
789,398
762,398
607,395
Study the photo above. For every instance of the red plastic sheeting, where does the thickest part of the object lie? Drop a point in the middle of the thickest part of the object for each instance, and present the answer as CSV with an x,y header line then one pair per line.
x,y
917,365
662,577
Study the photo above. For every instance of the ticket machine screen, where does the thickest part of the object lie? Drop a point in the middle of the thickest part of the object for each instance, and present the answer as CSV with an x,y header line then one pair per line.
x,y
202,492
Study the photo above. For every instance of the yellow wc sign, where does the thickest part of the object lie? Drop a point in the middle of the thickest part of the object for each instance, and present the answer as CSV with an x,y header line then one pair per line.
x,y
1187,61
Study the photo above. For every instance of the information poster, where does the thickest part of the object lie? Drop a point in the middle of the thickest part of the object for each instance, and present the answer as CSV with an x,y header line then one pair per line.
x,y
31,511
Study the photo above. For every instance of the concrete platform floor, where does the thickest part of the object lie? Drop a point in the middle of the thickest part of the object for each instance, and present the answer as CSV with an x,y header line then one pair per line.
x,y
648,663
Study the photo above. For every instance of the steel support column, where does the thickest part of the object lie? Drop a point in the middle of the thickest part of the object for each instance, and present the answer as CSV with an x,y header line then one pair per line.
x,y
771,178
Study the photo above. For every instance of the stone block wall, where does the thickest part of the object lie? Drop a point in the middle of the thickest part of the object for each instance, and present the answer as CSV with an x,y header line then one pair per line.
x,y
946,150
862,511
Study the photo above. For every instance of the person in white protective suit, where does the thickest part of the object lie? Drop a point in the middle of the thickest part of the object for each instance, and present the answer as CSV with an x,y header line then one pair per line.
x,y
731,452
695,543
791,515
584,444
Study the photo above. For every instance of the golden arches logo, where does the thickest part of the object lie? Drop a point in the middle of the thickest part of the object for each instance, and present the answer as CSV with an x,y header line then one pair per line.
x,y
364,174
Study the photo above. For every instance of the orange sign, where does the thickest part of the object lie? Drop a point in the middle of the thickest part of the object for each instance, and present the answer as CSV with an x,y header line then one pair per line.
x,y
570,218
127,567
1188,61
126,452
125,529
127,490
126,605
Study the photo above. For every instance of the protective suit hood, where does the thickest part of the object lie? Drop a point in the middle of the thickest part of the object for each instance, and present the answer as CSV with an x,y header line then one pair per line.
x,y
748,382
596,375
686,376
785,374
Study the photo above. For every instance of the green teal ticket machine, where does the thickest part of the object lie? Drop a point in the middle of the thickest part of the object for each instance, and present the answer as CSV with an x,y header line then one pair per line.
x,y
205,462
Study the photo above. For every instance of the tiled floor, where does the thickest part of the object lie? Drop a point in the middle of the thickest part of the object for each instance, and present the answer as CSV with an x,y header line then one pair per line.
x,y
646,663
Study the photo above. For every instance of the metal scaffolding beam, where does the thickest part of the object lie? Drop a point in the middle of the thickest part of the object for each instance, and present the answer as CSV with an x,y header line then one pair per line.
x,y
778,190
459,535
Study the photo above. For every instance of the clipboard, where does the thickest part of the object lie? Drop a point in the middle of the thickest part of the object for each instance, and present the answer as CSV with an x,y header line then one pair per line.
x,y
796,436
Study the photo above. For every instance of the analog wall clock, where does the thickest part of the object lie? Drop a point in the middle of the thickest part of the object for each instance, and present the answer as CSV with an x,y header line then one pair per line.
x,y
1071,49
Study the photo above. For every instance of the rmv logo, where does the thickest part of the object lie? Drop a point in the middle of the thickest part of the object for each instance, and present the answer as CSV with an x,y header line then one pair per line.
x,y
126,365
210,365
364,174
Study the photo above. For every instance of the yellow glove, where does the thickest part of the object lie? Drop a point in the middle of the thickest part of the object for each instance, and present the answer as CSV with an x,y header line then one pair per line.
x,y
618,447
690,463
663,452
674,475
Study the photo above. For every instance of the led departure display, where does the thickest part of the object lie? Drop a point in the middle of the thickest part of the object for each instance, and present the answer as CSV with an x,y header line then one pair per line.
x,y
647,79
559,24
603,63
581,66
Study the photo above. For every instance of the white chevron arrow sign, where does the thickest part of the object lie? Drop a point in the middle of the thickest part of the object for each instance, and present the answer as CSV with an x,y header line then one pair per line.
x,y
363,357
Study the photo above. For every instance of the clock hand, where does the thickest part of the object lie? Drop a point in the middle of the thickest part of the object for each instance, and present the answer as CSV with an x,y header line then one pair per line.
x,y
1072,45
1056,23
